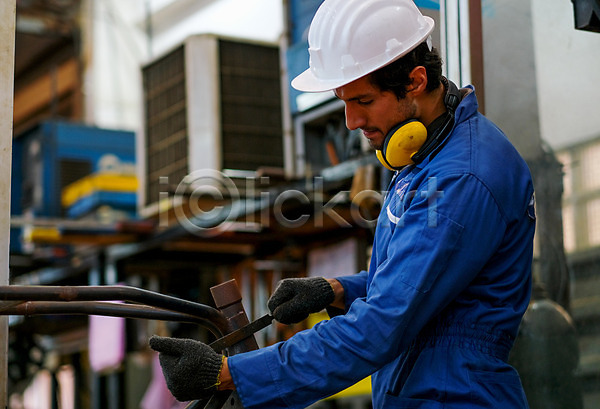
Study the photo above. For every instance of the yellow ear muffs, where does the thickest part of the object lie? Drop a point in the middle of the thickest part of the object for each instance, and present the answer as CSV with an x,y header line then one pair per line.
x,y
401,143
379,155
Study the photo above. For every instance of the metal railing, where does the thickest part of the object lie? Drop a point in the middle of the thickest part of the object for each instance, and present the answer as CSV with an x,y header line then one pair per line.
x,y
133,302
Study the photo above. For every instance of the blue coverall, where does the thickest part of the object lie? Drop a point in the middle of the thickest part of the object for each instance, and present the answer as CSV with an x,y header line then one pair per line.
x,y
435,316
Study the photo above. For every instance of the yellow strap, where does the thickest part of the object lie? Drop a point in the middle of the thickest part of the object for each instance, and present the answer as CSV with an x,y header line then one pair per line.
x,y
219,375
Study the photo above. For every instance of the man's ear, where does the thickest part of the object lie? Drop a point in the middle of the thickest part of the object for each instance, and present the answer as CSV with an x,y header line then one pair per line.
x,y
418,81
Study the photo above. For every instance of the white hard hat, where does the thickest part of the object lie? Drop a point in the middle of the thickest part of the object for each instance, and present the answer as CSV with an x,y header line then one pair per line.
x,y
348,39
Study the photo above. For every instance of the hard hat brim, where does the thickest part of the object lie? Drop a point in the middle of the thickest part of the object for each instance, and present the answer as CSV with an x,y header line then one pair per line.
x,y
308,82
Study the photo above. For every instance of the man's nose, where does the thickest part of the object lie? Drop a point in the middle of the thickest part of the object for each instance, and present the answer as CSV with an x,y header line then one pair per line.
x,y
354,118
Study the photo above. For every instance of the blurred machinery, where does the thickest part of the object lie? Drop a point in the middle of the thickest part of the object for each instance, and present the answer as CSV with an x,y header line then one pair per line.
x,y
213,104
93,166
546,354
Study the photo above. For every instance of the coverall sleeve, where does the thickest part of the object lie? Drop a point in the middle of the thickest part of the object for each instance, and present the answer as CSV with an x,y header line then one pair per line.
x,y
355,286
432,252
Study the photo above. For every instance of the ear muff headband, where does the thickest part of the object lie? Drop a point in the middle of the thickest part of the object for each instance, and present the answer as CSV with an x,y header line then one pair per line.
x,y
402,147
439,137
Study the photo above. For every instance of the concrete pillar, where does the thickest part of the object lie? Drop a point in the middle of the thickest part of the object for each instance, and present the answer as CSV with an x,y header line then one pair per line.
x,y
7,63
510,73
511,91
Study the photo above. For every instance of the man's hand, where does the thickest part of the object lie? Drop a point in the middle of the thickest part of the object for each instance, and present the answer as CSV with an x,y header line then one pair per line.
x,y
295,298
191,368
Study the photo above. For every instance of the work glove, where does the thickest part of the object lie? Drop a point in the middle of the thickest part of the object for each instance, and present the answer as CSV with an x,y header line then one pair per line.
x,y
191,368
295,298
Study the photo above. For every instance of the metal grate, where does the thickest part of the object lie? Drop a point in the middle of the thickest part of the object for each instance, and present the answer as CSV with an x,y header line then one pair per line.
x,y
165,122
251,120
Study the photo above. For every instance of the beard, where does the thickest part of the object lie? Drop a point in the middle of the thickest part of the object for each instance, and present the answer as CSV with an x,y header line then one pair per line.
x,y
407,111
375,145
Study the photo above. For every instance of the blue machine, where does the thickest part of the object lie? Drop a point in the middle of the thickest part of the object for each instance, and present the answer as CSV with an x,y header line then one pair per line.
x,y
54,154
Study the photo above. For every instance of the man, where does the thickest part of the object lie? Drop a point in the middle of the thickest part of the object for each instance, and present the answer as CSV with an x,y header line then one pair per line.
x,y
435,316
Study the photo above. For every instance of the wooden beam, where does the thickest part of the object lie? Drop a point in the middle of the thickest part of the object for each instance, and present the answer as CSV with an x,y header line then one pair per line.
x,y
47,88
89,239
203,246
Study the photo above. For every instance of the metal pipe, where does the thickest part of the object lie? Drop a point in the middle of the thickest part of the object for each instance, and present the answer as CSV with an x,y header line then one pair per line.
x,y
210,317
109,309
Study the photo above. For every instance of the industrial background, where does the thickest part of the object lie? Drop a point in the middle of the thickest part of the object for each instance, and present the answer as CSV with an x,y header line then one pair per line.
x,y
157,144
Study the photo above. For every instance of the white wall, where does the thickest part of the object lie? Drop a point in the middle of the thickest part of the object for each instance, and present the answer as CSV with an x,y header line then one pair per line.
x,y
568,73
115,47
256,19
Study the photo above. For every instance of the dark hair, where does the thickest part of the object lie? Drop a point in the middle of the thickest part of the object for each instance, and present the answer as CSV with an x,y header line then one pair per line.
x,y
394,76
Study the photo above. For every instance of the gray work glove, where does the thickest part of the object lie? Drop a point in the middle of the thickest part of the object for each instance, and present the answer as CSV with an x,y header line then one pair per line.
x,y
191,368
295,298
